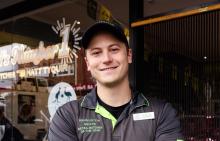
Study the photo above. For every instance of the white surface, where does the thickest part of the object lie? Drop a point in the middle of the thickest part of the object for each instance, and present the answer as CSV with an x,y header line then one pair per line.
x,y
56,100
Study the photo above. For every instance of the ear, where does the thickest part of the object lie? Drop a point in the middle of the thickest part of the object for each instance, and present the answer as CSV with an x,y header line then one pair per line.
x,y
129,56
87,63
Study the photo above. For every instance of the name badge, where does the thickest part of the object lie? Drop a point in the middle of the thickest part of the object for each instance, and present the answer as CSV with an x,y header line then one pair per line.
x,y
143,116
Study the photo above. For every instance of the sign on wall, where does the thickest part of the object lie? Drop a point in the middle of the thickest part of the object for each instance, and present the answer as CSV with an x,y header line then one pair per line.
x,y
60,94
17,54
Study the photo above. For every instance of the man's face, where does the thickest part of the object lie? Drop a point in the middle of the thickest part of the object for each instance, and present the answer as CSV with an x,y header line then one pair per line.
x,y
107,59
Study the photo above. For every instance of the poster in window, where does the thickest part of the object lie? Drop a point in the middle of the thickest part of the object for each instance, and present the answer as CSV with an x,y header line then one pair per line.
x,y
26,109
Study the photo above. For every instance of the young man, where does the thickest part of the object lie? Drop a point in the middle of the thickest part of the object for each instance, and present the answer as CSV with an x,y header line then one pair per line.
x,y
112,111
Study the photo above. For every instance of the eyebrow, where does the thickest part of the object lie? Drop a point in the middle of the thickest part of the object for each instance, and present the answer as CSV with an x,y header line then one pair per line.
x,y
117,44
94,48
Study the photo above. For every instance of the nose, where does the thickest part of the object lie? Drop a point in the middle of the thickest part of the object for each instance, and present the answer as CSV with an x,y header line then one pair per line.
x,y
107,58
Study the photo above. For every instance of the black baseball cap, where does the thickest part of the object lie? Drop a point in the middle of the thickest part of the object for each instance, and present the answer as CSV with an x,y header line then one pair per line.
x,y
103,26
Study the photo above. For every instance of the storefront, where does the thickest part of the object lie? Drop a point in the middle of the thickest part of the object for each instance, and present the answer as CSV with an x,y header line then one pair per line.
x,y
177,59
41,63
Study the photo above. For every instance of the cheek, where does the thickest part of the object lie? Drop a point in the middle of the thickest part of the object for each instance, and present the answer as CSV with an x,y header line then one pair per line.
x,y
87,64
91,65
88,68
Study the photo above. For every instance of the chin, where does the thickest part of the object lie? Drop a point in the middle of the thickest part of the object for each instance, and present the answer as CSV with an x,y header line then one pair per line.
x,y
109,83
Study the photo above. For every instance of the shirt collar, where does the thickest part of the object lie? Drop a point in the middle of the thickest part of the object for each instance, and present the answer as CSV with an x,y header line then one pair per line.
x,y
90,100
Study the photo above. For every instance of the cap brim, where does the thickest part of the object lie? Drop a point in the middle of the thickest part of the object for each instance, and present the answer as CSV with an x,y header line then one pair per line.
x,y
102,27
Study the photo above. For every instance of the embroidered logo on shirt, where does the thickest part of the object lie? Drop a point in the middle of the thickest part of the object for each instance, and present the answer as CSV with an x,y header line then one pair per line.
x,y
143,116
89,125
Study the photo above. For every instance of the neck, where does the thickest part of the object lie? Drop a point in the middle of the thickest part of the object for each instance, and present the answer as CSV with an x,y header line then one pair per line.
x,y
116,95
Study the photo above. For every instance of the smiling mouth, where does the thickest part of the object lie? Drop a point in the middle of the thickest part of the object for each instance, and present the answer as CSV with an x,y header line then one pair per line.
x,y
110,68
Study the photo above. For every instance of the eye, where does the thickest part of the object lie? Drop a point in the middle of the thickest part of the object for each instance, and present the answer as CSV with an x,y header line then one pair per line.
x,y
114,49
95,52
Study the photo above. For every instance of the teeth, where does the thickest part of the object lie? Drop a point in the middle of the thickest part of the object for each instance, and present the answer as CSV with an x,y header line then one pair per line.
x,y
109,68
